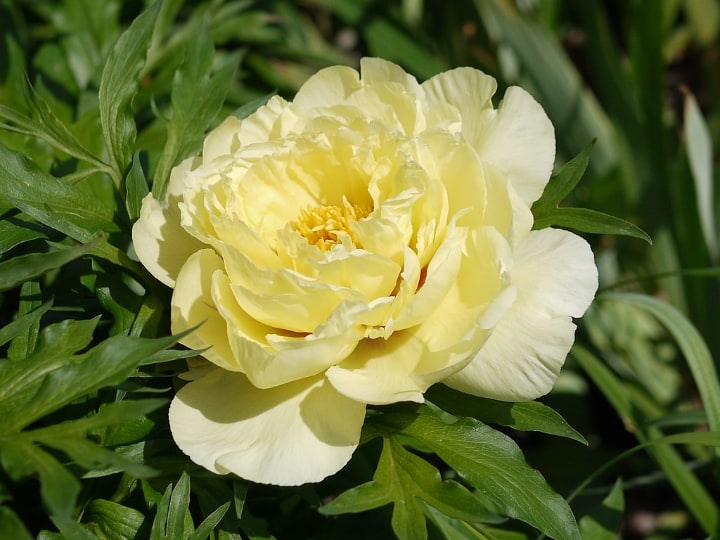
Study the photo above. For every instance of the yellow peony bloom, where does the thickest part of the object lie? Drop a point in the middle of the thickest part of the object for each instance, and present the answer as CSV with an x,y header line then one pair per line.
x,y
356,246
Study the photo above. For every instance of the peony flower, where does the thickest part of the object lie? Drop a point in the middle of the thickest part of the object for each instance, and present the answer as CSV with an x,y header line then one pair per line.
x,y
355,246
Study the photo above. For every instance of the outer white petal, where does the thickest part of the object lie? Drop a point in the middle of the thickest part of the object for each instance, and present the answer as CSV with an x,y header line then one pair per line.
x,y
289,435
161,244
555,278
192,305
519,139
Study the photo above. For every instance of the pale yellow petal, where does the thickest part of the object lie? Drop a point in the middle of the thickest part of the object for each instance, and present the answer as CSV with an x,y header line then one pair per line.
x,y
270,358
289,435
519,140
159,240
327,87
192,305
468,90
377,70
556,279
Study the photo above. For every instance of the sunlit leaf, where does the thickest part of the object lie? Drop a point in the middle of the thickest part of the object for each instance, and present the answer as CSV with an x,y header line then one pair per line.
x,y
523,416
493,464
118,86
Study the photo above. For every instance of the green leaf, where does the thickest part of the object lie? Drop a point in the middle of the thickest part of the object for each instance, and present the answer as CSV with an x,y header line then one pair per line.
x,y
252,106
209,523
111,413
686,484
523,416
492,463
26,186
178,508
113,521
19,269
172,518
693,346
197,95
11,526
18,229
401,478
563,182
53,376
546,212
119,84
24,343
58,487
136,186
23,323
590,221
604,521
700,155
46,126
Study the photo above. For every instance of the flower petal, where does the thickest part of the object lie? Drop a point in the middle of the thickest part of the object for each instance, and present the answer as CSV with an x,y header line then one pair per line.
x,y
327,87
468,90
381,371
519,139
192,305
160,242
556,279
289,435
270,358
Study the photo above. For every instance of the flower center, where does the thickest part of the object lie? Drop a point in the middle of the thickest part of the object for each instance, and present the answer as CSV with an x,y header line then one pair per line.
x,y
324,226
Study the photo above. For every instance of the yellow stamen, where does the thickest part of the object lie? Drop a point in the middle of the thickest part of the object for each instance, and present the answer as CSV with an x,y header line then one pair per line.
x,y
323,226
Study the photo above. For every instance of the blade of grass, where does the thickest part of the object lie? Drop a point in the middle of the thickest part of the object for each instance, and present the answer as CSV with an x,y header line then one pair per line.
x,y
700,503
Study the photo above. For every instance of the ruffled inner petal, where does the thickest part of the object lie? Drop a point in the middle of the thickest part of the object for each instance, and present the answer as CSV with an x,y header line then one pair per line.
x,y
271,357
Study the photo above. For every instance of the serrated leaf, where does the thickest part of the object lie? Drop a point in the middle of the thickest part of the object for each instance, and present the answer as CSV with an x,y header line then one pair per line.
x,y
17,270
53,376
604,521
118,86
523,416
493,464
402,478
50,128
112,520
197,95
26,186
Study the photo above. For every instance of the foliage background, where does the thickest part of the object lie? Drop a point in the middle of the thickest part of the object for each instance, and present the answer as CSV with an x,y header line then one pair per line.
x,y
82,325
